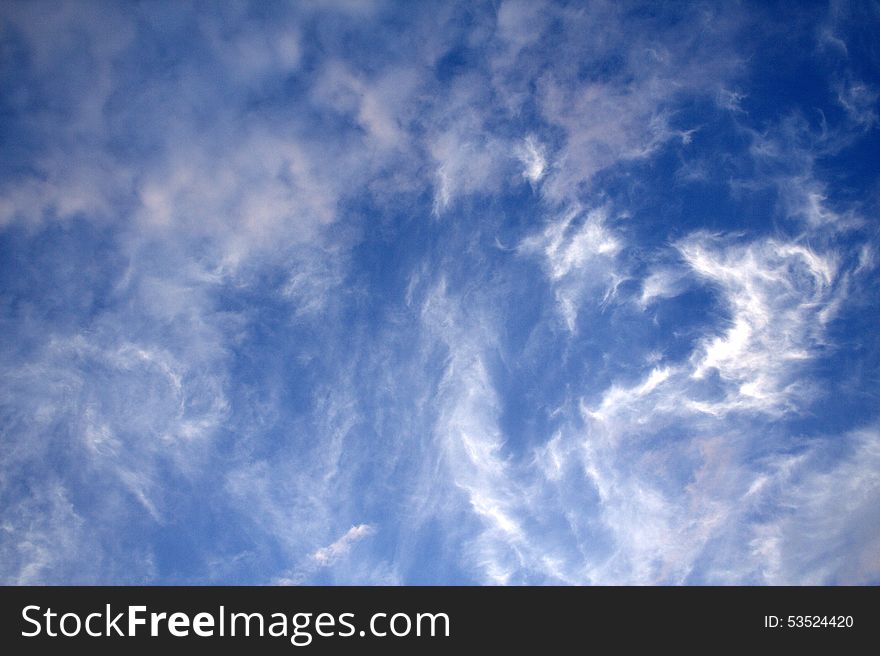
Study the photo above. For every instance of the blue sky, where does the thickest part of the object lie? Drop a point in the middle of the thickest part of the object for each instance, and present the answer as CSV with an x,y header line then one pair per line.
x,y
511,292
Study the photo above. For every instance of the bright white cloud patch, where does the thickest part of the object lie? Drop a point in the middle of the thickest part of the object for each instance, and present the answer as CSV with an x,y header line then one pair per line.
x,y
533,158
329,554
780,296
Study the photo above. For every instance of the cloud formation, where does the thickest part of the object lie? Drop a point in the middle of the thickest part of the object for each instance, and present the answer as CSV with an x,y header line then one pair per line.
x,y
523,292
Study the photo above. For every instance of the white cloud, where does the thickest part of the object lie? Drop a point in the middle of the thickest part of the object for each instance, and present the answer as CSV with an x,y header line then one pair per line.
x,y
780,296
661,283
826,529
339,549
231,184
520,22
533,157
467,157
469,438
579,253
860,102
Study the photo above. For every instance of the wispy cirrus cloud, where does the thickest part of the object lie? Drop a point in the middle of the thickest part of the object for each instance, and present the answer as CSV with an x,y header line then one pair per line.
x,y
378,292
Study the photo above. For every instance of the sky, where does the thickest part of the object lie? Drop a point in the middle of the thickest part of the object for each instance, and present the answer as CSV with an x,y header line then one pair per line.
x,y
510,292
